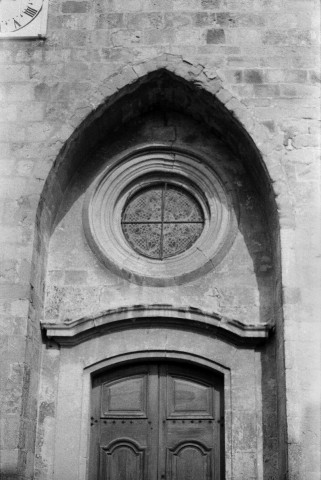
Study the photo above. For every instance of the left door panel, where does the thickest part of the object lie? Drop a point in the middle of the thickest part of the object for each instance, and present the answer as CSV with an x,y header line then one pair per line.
x,y
124,425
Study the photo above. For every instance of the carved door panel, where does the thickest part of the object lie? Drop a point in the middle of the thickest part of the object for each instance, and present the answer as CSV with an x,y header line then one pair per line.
x,y
155,422
190,424
124,437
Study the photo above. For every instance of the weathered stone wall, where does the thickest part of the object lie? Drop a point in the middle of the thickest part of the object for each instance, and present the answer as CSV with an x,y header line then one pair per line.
x,y
267,57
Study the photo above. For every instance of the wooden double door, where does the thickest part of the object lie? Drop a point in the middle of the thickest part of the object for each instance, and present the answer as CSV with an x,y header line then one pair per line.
x,y
156,422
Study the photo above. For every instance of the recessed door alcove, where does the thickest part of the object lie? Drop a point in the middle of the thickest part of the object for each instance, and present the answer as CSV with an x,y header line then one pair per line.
x,y
221,315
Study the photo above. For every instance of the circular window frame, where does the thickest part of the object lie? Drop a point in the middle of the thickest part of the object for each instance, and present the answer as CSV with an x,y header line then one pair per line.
x,y
139,168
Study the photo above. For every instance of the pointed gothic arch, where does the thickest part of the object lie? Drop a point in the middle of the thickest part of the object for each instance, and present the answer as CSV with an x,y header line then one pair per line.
x,y
163,83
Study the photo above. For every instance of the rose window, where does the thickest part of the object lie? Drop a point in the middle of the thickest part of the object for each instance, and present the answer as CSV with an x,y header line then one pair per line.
x,y
162,221
160,217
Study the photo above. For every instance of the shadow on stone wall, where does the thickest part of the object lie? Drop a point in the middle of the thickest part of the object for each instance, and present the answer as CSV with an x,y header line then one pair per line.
x,y
270,420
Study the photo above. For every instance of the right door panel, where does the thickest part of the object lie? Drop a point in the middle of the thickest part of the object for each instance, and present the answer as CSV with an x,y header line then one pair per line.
x,y
190,431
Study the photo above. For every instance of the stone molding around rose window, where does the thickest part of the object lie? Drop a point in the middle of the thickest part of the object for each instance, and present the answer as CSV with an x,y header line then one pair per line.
x,y
141,167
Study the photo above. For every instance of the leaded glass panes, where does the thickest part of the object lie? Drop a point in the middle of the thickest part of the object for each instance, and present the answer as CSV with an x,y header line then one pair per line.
x,y
181,207
162,221
178,237
144,238
144,207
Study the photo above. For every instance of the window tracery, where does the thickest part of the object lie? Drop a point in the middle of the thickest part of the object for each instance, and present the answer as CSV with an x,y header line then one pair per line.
x,y
162,221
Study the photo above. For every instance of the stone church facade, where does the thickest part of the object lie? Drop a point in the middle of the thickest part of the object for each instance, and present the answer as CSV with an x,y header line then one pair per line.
x,y
160,242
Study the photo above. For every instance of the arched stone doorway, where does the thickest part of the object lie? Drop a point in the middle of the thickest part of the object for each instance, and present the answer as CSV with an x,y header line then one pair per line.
x,y
158,339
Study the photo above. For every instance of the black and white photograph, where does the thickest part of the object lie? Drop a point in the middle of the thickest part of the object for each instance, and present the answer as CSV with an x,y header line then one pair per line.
x,y
160,240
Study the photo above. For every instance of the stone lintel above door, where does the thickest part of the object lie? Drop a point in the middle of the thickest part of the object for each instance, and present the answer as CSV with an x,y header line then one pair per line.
x,y
73,332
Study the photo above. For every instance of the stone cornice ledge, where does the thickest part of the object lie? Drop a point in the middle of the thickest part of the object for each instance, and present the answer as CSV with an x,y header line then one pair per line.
x,y
72,332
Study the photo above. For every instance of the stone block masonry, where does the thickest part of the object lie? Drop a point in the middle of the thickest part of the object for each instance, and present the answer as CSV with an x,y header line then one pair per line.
x,y
267,57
